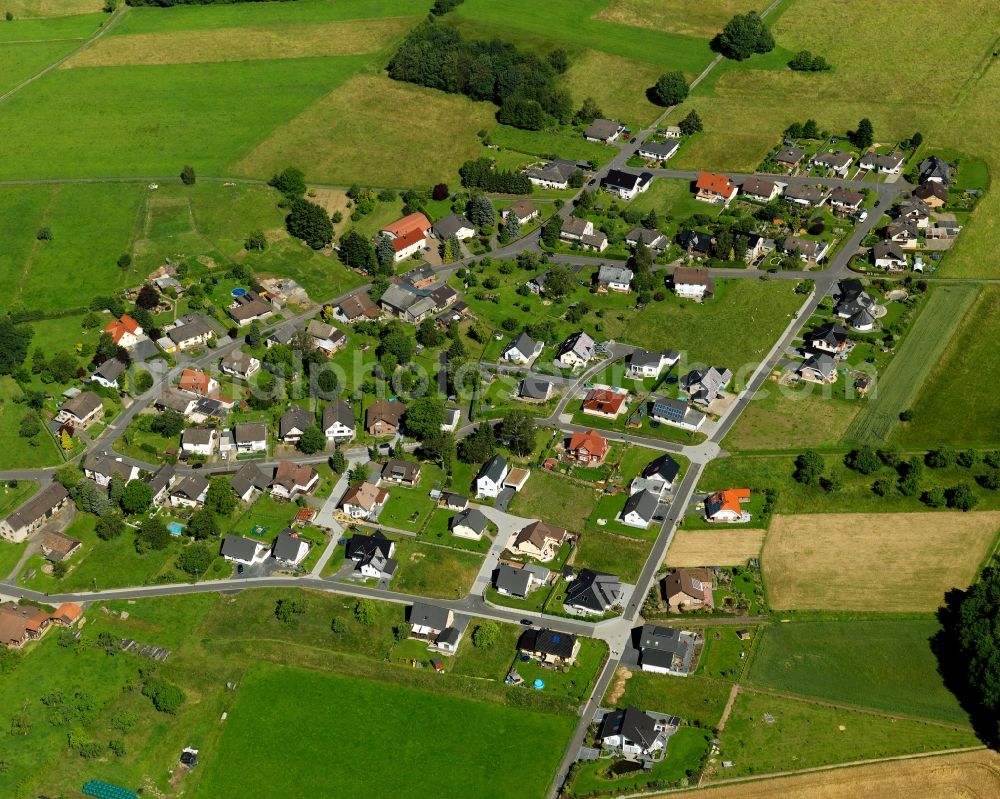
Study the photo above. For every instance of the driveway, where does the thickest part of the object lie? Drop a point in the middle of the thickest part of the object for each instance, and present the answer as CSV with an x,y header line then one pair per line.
x,y
504,498
508,526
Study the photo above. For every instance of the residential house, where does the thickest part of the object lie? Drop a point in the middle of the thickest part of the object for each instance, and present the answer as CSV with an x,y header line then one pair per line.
x,y
711,187
291,479
537,283
356,307
603,130
643,363
469,523
400,472
34,513
20,624
288,549
452,501
845,201
689,589
889,255
81,411
159,482
519,581
757,247
248,308
364,501
809,196
837,161
362,548
198,383
413,305
283,336
125,331
377,565
761,189
522,350
420,277
427,622
627,185
549,646
589,448
634,734
326,338
532,389
819,368
933,194
914,211
942,230
789,158
491,477
523,211
553,175
703,386
670,132
828,337
453,225
294,422
576,351
408,235
244,551
539,540
695,242
664,650
657,476
593,592
605,402
808,250
238,364
102,466
58,546
450,420
884,163
582,232
189,492
855,304
650,237
658,150
250,437
640,509
903,233
726,506
186,335
692,282
249,481
936,170
382,417
338,421
107,373
614,278
675,412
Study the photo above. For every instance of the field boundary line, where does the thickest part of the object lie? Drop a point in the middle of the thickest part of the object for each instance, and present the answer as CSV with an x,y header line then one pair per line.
x,y
752,689
111,23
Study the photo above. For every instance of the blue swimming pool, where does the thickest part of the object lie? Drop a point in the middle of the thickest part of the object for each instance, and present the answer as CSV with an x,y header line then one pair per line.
x,y
175,528
238,292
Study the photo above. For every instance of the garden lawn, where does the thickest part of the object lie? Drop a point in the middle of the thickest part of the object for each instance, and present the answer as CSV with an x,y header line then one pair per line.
x,y
486,663
616,554
556,500
290,698
268,512
576,681
803,735
434,571
883,665
20,452
695,699
437,531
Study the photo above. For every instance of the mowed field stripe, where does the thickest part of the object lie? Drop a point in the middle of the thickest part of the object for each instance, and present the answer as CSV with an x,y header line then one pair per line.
x,y
349,37
901,382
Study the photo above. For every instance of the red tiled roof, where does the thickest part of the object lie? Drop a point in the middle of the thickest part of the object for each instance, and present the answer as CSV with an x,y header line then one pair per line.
x,y
407,225
592,441
119,327
193,380
407,239
604,401
729,499
715,183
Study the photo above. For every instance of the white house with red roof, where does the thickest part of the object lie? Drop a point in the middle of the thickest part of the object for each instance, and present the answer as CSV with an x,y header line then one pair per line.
x,y
408,235
125,331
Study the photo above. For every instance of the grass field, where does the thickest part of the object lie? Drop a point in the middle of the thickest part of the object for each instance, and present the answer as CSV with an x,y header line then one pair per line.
x,y
50,8
883,665
714,547
804,735
960,418
556,499
975,775
617,84
909,560
686,17
273,697
621,555
434,571
20,60
695,699
901,382
18,452
43,28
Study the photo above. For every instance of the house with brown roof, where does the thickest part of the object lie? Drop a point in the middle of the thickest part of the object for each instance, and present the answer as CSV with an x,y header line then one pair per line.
x,y
582,232
200,383
249,307
837,161
933,194
21,623
689,589
845,201
523,211
250,437
355,308
711,187
364,501
81,411
761,189
603,130
382,418
692,282
400,472
34,513
605,403
292,479
539,540
238,364
589,448
789,157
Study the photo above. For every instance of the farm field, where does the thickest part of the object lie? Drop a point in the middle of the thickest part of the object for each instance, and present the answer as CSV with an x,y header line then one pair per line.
x,y
969,774
26,27
813,561
714,547
943,416
686,17
900,384
21,60
442,742
802,735
883,665
617,84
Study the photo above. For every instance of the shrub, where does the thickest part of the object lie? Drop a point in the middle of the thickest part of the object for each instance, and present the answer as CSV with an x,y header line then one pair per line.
x,y
165,696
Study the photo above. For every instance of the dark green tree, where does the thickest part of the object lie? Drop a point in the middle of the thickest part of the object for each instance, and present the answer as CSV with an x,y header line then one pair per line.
x,y
309,222
188,177
864,136
670,89
424,417
808,468
863,459
221,497
357,251
691,124
291,182
744,35
313,440
14,343
137,497
517,431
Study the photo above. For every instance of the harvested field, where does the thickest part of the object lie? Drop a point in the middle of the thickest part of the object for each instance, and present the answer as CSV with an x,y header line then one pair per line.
x,y
24,9
339,129
714,548
617,84
910,559
332,200
347,37
686,17
968,775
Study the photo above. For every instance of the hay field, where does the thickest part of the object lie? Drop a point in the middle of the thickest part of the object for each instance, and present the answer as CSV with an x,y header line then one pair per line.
x,y
618,84
968,775
357,132
348,37
873,561
35,9
714,547
686,17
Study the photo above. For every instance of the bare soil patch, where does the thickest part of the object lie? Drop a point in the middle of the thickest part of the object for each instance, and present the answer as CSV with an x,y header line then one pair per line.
x,y
714,547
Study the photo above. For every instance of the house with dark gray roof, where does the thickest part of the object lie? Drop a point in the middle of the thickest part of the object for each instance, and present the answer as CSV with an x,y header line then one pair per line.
x,y
34,513
294,422
250,437
535,389
828,337
658,150
338,421
675,412
626,185
643,363
453,225
936,170
656,476
611,277
470,523
491,477
577,350
635,734
837,161
603,130
704,385
361,546
522,350
665,650
428,621
789,157
401,472
592,592
553,175
640,508
244,551
159,483
248,481
107,373
519,581
889,255
102,466
189,491
650,237
288,549
819,368
809,196
549,646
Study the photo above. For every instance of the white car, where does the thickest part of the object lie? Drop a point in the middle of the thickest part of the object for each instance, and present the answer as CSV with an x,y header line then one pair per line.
x,y
862,216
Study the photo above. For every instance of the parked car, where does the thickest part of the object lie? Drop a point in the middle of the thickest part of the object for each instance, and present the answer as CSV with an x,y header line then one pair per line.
x,y
862,216
527,622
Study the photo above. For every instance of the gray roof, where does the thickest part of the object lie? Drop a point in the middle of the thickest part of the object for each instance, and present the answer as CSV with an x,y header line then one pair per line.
x,y
643,503
450,225
659,149
677,646
810,194
594,591
842,196
645,358
493,468
548,642
473,518
632,724
888,249
431,616
295,418
705,382
513,580
111,370
237,361
620,179
524,344
197,436
580,343
807,247
173,400
286,546
191,486
284,334
360,547
663,467
238,547
82,405
829,333
602,129
398,469
936,168
161,480
821,362
535,388
557,171
648,236
338,411
761,187
106,464
196,328
609,273
249,476
835,160
789,155
36,507
449,635
249,431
